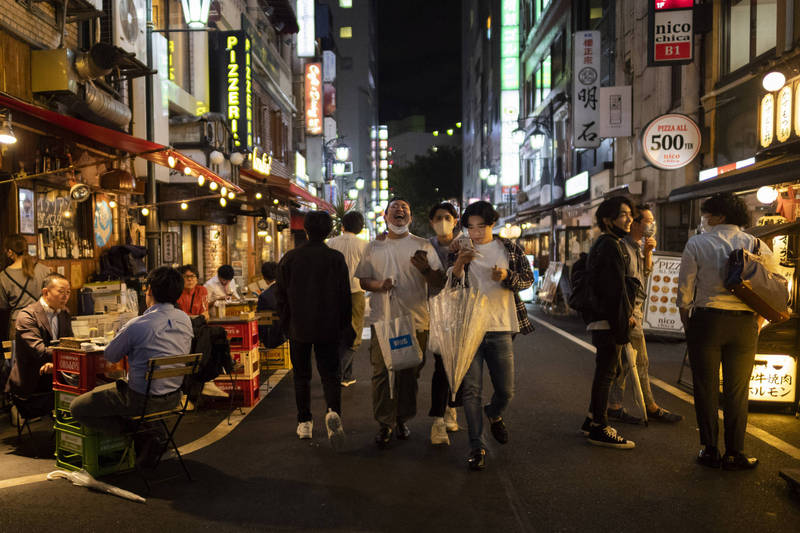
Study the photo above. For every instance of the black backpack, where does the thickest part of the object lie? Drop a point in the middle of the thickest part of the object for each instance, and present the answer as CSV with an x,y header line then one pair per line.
x,y
582,297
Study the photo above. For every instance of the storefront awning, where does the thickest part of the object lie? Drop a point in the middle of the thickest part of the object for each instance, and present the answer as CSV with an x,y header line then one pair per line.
x,y
157,153
288,188
778,169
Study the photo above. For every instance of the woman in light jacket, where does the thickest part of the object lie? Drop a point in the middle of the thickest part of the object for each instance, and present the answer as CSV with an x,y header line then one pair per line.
x,y
719,328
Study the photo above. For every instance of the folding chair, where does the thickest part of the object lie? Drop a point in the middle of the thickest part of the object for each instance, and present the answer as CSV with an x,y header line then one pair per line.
x,y
29,407
159,368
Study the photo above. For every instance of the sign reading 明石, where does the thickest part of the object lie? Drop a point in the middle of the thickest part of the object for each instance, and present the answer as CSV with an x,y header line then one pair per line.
x,y
586,117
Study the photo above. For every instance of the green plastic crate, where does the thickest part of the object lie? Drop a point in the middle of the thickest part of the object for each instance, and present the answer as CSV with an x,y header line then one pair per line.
x,y
97,453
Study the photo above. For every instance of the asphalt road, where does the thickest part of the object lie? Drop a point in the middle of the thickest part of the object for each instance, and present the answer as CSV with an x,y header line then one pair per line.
x,y
547,478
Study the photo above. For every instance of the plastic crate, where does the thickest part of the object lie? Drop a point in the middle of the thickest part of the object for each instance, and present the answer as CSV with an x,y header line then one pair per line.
x,y
63,412
249,359
244,392
78,371
276,358
98,454
241,335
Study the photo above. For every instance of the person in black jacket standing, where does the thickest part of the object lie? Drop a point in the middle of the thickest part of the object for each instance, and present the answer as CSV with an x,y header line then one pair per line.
x,y
313,294
611,316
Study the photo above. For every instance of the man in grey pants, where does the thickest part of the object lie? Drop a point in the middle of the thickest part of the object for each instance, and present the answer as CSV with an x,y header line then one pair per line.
x,y
640,264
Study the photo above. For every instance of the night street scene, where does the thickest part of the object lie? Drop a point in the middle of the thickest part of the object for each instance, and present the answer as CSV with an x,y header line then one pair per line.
x,y
400,265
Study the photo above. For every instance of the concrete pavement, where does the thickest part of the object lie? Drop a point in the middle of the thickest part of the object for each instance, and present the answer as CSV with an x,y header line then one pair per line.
x,y
547,478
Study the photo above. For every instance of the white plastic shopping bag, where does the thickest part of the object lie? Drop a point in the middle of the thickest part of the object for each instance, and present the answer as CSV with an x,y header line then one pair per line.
x,y
397,338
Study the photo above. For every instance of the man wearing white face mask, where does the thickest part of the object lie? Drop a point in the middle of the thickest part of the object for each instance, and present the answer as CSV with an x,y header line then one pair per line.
x,y
640,243
442,218
407,266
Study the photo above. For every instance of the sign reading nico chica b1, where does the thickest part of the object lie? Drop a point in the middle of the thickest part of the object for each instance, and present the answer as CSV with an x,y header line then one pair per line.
x,y
671,141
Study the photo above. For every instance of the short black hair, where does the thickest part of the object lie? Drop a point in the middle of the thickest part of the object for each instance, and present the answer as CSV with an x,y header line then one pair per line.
x,y
637,211
225,272
482,209
318,225
728,205
444,206
269,270
50,278
353,221
166,284
394,199
610,209
189,268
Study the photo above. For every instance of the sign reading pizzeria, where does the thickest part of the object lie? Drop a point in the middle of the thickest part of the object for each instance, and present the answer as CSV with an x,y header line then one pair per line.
x,y
670,33
671,141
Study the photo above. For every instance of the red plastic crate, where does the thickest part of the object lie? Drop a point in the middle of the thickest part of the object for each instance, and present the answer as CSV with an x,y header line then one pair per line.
x,y
249,359
243,391
78,371
241,335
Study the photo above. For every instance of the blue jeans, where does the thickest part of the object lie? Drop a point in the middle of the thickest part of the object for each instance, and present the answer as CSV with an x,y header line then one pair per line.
x,y
496,349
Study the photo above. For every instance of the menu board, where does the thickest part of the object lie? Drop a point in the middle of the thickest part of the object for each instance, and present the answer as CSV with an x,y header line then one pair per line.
x,y
661,308
547,292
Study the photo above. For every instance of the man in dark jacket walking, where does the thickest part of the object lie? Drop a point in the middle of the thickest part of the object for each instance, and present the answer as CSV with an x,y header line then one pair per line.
x,y
610,317
313,293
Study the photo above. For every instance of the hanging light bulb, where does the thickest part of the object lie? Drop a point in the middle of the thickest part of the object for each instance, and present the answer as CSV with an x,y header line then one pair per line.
x,y
184,206
67,213
258,196
268,238
223,202
275,201
187,171
767,195
145,211
213,186
112,204
231,195
223,191
262,233
171,161
201,180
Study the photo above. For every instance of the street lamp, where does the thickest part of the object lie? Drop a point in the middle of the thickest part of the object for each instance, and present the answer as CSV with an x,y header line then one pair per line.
x,y
195,12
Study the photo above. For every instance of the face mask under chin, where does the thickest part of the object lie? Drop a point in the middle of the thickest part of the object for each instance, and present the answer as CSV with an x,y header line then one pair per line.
x,y
397,230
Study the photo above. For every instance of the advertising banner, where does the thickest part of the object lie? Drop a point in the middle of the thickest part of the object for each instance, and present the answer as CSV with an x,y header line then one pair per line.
x,y
660,308
586,129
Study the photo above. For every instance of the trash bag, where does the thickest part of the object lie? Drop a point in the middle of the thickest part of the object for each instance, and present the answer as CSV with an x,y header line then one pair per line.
x,y
397,338
458,318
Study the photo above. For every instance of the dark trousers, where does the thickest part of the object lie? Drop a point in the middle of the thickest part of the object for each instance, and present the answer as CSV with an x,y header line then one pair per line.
x,y
715,337
327,356
606,366
440,390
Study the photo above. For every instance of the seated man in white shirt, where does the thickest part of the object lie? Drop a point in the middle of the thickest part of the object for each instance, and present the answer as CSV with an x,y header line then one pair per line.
x,y
222,286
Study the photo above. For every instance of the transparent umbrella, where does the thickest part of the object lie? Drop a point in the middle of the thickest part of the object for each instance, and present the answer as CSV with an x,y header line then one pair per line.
x,y
83,478
630,354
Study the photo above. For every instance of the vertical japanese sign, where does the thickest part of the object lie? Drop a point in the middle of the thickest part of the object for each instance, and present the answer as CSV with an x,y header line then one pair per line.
x,y
234,95
670,32
509,95
306,37
586,83
314,98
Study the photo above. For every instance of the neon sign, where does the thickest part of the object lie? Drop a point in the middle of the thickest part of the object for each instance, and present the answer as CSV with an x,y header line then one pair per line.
x,y
234,96
262,163
314,98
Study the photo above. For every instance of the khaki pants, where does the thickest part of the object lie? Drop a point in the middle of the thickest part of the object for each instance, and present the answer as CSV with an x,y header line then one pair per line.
x,y
359,303
388,411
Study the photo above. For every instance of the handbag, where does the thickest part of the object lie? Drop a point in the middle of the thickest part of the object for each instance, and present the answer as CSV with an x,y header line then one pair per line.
x,y
397,338
751,281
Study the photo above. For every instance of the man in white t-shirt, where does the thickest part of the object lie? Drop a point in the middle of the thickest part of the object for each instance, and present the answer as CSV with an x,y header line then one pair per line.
x,y
406,267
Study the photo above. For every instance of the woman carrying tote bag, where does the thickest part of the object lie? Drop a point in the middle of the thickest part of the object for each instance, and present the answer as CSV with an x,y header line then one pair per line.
x,y
721,328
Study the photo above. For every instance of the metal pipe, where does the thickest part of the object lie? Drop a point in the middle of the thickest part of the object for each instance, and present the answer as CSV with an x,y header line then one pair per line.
x,y
152,225
106,106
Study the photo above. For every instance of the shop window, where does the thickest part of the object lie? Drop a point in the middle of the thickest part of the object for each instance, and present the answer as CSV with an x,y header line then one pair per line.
x,y
749,31
558,58
279,135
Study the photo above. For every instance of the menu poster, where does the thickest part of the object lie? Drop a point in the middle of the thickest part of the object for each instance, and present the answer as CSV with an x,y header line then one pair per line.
x,y
547,292
660,308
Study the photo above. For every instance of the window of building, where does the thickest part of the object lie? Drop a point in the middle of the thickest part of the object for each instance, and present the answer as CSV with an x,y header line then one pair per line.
x,y
346,4
749,31
558,59
346,32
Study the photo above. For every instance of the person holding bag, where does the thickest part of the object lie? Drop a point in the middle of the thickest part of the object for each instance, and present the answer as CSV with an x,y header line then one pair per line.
x,y
407,266
21,281
497,268
719,328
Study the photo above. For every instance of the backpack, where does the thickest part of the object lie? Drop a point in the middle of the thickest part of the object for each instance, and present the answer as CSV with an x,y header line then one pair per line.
x,y
582,296
213,343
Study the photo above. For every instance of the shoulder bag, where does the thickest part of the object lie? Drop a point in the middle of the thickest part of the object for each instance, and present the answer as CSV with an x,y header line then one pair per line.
x,y
766,292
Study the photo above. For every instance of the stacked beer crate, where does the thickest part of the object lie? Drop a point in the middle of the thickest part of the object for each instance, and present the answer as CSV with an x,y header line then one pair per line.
x,y
77,447
242,385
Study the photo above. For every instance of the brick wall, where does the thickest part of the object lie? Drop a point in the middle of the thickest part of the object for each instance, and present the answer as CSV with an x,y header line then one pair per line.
x,y
36,25
213,250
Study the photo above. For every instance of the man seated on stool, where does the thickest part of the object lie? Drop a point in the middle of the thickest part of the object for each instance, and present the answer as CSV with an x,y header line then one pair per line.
x,y
38,326
162,330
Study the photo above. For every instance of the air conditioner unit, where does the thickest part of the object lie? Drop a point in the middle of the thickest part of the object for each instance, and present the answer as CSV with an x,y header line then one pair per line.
x,y
128,23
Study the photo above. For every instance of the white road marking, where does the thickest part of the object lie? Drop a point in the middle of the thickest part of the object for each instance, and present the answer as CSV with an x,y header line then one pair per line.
x,y
768,438
221,430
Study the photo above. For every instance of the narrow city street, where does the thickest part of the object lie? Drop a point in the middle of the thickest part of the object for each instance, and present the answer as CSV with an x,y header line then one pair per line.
x,y
547,478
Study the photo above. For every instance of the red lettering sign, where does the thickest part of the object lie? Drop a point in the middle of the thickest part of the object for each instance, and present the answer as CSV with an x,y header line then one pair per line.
x,y
673,51
673,4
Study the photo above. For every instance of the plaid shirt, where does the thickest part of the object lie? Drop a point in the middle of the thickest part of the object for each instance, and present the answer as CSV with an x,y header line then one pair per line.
x,y
520,277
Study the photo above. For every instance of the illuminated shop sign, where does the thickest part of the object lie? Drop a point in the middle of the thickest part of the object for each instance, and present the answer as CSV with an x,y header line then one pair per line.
x,y
577,184
509,95
671,32
234,94
779,116
671,141
261,162
306,36
314,98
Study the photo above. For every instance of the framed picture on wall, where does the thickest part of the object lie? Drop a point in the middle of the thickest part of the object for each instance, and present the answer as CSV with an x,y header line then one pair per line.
x,y
27,214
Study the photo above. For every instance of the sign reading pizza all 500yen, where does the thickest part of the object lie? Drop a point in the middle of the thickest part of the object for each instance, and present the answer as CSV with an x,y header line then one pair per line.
x,y
671,141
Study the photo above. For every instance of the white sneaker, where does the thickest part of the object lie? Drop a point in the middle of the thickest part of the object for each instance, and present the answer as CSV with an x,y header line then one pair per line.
x,y
439,433
210,389
450,419
304,429
335,432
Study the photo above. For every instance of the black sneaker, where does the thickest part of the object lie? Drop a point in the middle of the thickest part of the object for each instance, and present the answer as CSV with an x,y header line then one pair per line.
x,y
709,456
499,430
662,415
383,437
738,461
403,432
476,460
586,427
607,436
622,415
